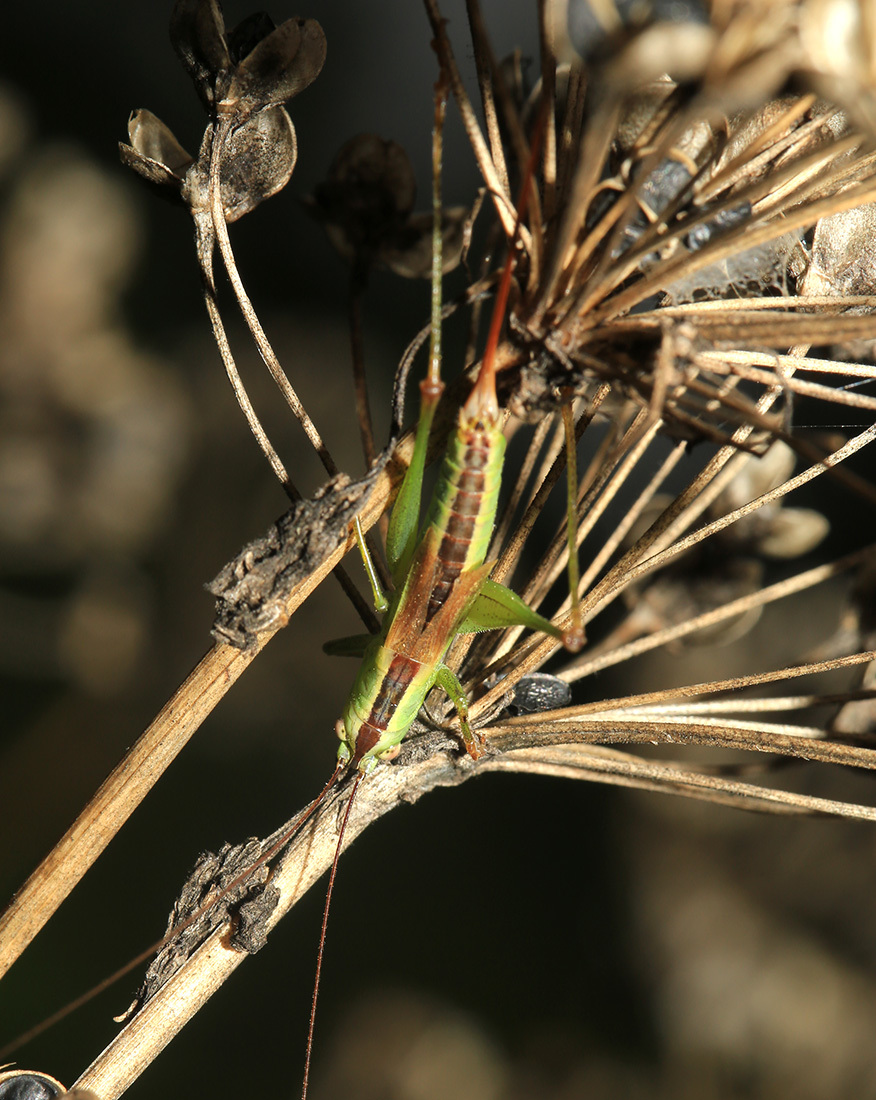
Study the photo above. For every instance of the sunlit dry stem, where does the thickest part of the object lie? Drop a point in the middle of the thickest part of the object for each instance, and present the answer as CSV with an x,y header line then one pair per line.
x,y
134,777
262,343
500,197
221,338
313,850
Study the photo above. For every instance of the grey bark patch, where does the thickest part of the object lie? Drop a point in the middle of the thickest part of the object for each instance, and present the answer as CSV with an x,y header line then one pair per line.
x,y
252,589
249,904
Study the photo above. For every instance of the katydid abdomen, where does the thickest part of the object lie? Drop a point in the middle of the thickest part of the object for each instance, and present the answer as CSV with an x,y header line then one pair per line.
x,y
463,506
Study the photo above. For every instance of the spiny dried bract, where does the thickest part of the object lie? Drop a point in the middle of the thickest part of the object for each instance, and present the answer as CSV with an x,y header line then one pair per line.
x,y
366,205
242,77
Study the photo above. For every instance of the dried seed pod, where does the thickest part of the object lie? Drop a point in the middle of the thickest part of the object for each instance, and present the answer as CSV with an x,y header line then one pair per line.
x,y
367,196
258,158
366,205
28,1084
841,259
254,66
409,253
257,161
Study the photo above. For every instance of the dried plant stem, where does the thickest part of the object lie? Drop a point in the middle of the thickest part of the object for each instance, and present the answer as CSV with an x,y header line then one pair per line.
x,y
221,338
676,730
306,859
501,199
734,684
310,854
116,799
146,761
357,355
855,444
266,351
602,764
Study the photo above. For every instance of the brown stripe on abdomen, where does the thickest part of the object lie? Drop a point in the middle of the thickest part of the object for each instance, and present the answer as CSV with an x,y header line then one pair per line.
x,y
395,683
463,513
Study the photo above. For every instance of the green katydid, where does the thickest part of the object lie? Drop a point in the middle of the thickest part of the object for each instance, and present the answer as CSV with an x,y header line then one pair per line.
x,y
440,572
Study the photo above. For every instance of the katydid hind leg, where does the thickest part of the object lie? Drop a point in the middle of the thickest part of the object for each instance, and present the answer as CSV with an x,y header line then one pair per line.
x,y
447,680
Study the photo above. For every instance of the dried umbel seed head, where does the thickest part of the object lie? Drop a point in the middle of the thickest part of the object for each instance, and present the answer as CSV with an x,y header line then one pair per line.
x,y
242,77
366,204
254,66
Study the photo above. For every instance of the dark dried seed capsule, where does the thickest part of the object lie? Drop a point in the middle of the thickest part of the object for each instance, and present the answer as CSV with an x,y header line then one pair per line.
x,y
24,1085
540,691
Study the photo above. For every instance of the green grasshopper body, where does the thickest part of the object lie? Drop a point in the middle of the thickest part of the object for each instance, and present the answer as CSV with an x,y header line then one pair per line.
x,y
440,574
445,576
441,578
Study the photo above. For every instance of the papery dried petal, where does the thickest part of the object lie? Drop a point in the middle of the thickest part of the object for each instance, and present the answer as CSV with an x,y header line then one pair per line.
x,y
154,152
257,160
155,141
280,66
197,31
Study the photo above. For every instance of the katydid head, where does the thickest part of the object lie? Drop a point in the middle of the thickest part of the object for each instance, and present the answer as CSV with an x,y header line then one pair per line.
x,y
363,746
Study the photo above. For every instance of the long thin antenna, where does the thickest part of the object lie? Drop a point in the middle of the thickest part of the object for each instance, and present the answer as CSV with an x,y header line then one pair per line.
x,y
321,950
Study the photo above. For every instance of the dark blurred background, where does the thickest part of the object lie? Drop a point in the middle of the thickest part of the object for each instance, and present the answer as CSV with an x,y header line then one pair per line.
x,y
512,938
